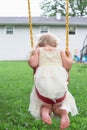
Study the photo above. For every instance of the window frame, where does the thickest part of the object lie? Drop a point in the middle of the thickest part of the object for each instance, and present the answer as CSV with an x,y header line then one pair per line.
x,y
43,29
72,30
9,30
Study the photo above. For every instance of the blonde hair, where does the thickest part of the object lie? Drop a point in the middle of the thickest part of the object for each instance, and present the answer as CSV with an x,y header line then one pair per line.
x,y
47,39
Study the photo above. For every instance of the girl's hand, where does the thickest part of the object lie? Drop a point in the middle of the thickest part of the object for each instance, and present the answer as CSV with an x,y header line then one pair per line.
x,y
67,59
34,51
68,53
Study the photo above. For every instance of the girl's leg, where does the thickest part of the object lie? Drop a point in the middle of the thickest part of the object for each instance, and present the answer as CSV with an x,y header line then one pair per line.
x,y
65,122
45,114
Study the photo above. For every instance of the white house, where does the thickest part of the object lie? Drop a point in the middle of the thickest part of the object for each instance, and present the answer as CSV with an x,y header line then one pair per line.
x,y
15,40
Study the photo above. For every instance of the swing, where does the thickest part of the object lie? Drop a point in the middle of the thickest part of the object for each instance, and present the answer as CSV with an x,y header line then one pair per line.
x,y
65,119
83,51
67,27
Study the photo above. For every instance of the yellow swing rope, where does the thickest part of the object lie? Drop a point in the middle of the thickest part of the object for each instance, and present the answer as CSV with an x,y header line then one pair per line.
x,y
67,23
30,23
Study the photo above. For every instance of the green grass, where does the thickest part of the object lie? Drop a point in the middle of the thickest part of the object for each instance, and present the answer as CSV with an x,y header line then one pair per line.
x,y
16,80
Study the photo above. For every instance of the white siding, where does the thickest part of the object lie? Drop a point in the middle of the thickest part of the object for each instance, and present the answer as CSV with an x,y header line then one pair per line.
x,y
17,46
75,41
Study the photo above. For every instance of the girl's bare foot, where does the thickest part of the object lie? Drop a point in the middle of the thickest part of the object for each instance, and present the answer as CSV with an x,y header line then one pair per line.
x,y
45,111
65,122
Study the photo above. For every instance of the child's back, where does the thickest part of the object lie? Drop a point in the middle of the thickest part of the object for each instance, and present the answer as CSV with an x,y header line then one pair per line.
x,y
52,57
51,77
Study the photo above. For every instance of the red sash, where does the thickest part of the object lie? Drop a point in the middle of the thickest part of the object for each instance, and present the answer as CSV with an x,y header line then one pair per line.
x,y
49,101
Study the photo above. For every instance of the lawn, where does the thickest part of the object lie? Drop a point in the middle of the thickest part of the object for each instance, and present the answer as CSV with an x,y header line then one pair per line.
x,y
16,80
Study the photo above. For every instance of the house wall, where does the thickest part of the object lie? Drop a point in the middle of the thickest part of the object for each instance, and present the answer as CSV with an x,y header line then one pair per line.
x,y
14,46
75,40
17,46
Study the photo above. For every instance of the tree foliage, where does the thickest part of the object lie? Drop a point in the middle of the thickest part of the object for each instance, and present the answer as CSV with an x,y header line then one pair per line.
x,y
76,7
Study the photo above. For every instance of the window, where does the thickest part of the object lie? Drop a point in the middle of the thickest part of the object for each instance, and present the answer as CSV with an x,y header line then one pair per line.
x,y
72,30
9,30
44,29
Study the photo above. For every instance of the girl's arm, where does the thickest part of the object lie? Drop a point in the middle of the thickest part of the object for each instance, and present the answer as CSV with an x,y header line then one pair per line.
x,y
67,60
33,60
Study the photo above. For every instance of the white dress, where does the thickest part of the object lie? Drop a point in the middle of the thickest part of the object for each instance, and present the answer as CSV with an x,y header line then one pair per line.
x,y
50,80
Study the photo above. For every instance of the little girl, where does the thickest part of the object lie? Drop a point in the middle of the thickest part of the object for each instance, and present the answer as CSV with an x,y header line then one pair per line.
x,y
50,92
